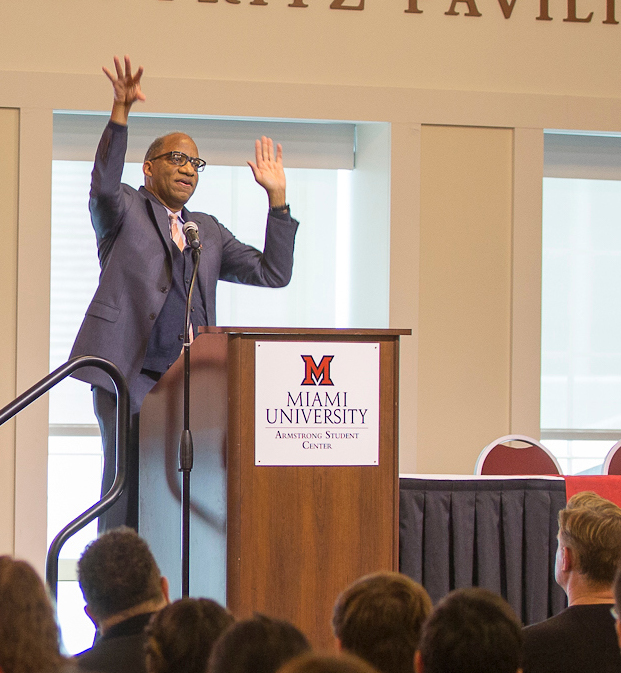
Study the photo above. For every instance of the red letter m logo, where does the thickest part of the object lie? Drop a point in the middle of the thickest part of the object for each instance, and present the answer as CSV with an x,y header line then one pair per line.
x,y
317,374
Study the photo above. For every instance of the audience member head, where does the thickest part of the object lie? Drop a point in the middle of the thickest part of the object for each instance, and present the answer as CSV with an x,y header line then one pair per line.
x,y
379,618
257,645
324,663
590,499
181,636
29,638
470,631
589,541
616,589
120,578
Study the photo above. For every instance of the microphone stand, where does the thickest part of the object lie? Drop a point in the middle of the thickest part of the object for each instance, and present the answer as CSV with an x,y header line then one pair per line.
x,y
186,447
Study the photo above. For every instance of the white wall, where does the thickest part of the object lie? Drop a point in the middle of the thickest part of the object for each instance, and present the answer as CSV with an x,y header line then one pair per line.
x,y
507,78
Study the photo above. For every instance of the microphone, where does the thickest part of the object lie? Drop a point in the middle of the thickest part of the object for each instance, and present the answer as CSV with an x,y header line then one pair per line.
x,y
190,231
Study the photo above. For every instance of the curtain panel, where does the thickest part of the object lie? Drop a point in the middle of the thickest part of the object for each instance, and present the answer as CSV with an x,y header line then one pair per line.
x,y
499,534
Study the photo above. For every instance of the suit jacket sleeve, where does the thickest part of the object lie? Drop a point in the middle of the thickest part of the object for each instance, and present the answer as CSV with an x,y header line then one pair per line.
x,y
107,202
271,268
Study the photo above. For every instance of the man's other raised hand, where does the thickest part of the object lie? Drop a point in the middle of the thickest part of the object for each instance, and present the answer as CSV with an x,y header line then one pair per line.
x,y
269,172
126,89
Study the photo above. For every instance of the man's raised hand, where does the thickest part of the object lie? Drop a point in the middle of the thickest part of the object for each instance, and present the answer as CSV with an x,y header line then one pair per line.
x,y
268,171
126,89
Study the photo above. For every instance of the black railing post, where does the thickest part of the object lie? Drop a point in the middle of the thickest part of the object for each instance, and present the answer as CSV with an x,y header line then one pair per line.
x,y
122,433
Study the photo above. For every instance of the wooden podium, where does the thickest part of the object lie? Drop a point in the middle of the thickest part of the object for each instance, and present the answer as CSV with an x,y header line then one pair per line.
x,y
280,540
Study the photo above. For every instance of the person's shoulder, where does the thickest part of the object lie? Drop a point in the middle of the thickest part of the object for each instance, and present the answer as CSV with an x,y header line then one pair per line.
x,y
114,655
580,638
70,666
199,217
545,645
208,225
547,624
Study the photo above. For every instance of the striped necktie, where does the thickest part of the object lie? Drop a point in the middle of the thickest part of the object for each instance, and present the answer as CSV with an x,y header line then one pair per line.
x,y
175,234
179,241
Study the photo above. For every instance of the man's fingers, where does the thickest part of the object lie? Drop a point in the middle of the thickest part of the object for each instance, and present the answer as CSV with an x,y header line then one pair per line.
x,y
255,170
128,66
137,76
268,148
258,152
279,153
108,74
264,149
117,65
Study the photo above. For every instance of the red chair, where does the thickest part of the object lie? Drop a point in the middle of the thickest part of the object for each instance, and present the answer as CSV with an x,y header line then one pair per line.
x,y
499,458
612,463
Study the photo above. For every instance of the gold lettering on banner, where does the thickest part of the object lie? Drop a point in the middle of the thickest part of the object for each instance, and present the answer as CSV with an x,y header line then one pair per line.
x,y
413,7
572,15
507,7
472,8
339,4
610,12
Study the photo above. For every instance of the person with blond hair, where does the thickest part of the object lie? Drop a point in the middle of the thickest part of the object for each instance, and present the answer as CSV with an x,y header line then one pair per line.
x,y
29,637
582,637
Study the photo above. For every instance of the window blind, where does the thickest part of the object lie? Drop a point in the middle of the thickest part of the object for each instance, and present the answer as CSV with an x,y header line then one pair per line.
x,y
221,142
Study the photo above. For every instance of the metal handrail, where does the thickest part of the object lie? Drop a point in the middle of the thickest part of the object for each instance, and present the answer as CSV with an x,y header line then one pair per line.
x,y
122,434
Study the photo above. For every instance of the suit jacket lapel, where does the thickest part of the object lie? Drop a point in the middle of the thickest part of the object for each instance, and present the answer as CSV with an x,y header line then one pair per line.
x,y
202,269
159,217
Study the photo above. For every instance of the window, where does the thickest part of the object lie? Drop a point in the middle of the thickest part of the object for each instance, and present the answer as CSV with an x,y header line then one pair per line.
x,y
581,349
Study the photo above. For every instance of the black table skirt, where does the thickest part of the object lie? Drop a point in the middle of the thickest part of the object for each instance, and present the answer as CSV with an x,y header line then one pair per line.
x,y
495,533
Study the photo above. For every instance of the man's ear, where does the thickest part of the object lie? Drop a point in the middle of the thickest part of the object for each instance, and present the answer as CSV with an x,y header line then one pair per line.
x,y
91,616
165,589
567,559
418,662
338,645
146,168
618,630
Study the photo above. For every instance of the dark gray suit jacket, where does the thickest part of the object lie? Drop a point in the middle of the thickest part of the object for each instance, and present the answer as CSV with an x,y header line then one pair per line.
x,y
135,255
121,650
579,639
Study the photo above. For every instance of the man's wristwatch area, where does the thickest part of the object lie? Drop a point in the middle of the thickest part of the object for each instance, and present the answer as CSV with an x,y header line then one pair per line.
x,y
280,210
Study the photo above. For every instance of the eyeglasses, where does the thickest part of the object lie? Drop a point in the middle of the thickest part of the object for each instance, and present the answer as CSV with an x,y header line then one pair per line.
x,y
181,159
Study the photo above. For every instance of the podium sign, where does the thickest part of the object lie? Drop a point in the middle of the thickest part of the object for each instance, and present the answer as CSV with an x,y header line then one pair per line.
x,y
316,403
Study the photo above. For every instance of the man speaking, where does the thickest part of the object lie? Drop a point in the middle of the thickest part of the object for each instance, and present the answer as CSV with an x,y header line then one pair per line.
x,y
136,318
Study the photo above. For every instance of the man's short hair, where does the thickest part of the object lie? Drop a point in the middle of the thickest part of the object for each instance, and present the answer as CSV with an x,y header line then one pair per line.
x,y
155,148
180,637
471,630
257,645
591,526
616,589
327,663
379,618
117,572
